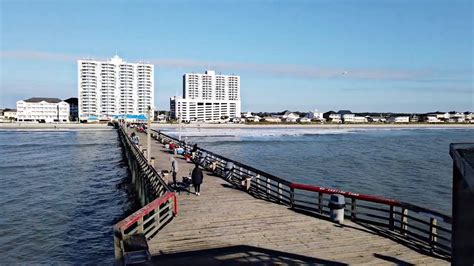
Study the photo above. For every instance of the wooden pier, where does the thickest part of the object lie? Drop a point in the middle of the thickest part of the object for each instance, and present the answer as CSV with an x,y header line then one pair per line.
x,y
269,224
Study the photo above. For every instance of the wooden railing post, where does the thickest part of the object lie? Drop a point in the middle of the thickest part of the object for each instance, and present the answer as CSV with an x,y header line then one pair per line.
x,y
353,209
433,232
118,236
258,182
268,188
292,197
391,220
140,225
404,221
280,192
320,202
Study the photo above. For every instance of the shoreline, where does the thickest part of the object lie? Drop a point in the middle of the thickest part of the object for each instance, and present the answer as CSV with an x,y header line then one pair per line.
x,y
57,126
235,126
318,126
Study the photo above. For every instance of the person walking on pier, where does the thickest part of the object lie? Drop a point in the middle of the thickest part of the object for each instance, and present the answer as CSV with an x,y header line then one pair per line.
x,y
197,177
194,151
174,170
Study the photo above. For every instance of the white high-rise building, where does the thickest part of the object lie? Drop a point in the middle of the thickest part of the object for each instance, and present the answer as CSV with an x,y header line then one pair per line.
x,y
207,97
114,87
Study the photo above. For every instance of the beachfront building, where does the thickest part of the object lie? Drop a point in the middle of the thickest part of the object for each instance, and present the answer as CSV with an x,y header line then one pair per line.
x,y
290,117
304,120
207,97
45,110
272,119
433,118
332,117
10,114
352,118
399,119
315,116
114,87
376,119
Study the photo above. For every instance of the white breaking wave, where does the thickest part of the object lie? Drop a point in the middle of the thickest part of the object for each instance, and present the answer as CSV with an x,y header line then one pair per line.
x,y
253,133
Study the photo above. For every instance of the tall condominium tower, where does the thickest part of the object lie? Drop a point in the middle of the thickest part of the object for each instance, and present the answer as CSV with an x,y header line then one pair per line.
x,y
207,97
114,87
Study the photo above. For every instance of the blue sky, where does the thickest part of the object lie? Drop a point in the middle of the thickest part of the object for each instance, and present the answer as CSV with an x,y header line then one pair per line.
x,y
413,56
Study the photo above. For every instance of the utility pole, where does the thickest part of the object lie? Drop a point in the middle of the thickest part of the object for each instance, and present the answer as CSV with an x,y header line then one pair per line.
x,y
148,136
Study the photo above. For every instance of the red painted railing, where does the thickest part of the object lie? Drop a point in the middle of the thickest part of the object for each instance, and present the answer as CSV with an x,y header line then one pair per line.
x,y
364,197
154,205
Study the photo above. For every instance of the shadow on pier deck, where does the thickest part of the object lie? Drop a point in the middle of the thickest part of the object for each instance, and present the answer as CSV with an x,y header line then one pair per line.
x,y
228,226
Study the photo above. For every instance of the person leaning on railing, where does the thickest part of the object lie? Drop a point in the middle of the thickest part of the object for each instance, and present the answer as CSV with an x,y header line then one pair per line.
x,y
135,139
228,169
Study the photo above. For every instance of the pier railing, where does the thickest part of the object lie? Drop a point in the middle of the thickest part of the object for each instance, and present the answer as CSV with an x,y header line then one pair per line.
x,y
428,230
159,203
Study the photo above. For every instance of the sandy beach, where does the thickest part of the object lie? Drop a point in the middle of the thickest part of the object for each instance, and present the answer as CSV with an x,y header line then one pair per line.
x,y
243,126
329,126
52,126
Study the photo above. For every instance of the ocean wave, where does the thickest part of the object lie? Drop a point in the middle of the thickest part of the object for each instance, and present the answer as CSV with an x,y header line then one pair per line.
x,y
257,133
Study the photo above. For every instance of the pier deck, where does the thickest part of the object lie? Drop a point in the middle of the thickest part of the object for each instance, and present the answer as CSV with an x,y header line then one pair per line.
x,y
227,225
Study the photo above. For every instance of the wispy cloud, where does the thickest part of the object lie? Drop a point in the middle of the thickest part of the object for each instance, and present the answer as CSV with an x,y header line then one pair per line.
x,y
285,70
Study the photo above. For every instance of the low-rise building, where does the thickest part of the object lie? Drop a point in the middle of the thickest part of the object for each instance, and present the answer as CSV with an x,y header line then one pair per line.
x,y
272,119
304,120
352,118
42,110
376,119
433,118
290,117
315,116
399,119
10,114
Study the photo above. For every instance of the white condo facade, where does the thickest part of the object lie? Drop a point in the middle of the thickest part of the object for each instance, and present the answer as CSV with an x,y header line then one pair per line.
x,y
115,87
46,110
207,97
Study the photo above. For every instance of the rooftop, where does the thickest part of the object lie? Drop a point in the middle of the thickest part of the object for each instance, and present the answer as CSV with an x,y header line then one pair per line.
x,y
41,99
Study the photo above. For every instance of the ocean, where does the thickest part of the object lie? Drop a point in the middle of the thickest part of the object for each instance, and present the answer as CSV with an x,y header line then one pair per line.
x,y
411,165
63,190
61,193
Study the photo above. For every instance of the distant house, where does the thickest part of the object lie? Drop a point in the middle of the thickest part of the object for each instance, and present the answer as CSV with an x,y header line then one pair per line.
x,y
238,120
304,120
332,117
399,119
10,114
290,117
253,118
272,119
247,115
352,118
376,119
433,118
414,119
315,116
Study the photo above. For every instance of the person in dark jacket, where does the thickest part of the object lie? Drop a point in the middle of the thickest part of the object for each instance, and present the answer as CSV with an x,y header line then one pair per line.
x,y
197,177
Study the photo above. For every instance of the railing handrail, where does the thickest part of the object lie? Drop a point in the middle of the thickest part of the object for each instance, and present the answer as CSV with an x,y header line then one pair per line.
x,y
142,157
365,197
375,199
